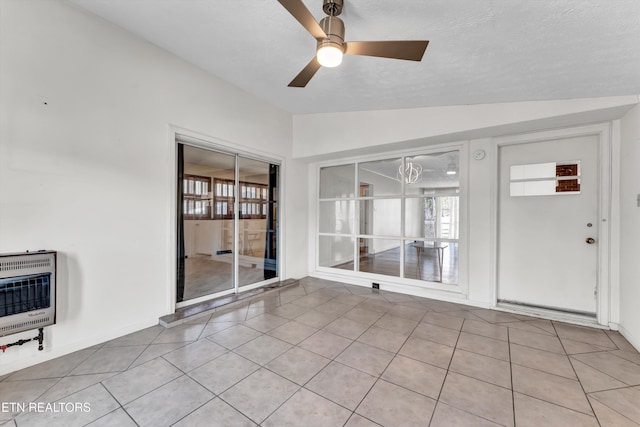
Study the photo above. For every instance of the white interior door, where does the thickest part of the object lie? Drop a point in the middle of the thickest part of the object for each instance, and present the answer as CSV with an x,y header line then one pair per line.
x,y
549,224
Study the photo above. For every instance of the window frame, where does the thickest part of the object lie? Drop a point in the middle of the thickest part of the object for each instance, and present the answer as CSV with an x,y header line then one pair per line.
x,y
354,197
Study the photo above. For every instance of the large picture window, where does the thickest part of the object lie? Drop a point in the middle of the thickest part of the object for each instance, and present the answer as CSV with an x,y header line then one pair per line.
x,y
253,200
395,217
196,197
223,199
199,197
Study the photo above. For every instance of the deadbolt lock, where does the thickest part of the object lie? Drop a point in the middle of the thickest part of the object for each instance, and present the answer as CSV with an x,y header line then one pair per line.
x,y
590,240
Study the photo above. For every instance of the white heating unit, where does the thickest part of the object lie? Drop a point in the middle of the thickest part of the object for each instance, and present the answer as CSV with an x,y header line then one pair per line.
x,y
27,291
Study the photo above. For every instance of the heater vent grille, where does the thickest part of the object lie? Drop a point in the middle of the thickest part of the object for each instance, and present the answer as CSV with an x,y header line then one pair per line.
x,y
27,291
29,324
24,264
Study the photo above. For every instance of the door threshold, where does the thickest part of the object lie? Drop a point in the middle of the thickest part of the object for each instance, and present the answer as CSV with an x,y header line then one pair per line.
x,y
184,314
583,319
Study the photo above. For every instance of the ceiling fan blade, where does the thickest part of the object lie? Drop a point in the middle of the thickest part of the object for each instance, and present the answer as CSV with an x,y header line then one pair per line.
x,y
411,50
305,75
302,14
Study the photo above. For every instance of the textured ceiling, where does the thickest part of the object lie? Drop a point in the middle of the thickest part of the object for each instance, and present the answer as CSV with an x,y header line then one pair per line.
x,y
480,51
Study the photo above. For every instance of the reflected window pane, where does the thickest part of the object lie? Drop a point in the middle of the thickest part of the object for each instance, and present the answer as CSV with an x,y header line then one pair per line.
x,y
431,261
380,178
257,228
337,216
380,217
436,217
430,173
337,181
380,256
336,252
207,244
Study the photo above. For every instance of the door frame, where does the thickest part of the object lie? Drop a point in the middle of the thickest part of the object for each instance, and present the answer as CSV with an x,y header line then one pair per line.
x,y
603,300
207,142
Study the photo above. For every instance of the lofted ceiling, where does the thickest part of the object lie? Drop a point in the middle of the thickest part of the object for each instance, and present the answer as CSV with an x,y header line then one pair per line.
x,y
480,51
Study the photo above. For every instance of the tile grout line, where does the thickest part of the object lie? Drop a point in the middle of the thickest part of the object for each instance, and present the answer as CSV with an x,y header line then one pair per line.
x,y
121,406
379,377
336,361
263,366
444,380
473,378
513,392
384,299
275,373
196,409
596,369
576,374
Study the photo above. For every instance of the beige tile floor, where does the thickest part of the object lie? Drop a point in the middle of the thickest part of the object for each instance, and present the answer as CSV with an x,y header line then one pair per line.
x,y
328,354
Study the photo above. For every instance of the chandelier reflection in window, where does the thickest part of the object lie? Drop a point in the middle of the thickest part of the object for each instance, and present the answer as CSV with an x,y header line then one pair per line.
x,y
411,172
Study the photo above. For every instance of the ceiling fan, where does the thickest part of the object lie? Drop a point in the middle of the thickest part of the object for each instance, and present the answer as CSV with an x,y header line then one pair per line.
x,y
331,45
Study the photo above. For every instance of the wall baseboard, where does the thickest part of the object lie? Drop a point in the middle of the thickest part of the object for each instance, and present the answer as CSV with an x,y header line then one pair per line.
x,y
633,340
53,353
454,296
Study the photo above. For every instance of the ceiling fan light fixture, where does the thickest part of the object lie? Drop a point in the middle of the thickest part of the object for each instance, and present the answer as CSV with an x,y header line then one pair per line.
x,y
329,33
411,173
330,50
329,54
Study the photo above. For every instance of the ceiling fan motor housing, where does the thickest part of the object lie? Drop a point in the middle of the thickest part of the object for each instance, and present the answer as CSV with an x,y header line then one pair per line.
x,y
332,7
334,29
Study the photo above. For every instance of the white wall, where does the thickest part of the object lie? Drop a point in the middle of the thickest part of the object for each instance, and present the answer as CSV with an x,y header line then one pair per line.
x,y
318,136
482,230
630,226
85,156
374,132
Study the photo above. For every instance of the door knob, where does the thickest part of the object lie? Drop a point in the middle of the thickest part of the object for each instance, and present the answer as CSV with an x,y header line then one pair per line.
x,y
590,240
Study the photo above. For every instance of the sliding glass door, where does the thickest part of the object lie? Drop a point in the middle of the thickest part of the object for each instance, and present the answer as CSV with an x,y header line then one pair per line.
x,y
257,225
227,222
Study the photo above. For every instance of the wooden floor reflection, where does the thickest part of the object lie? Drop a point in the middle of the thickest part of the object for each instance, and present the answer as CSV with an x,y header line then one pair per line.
x,y
205,275
388,263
